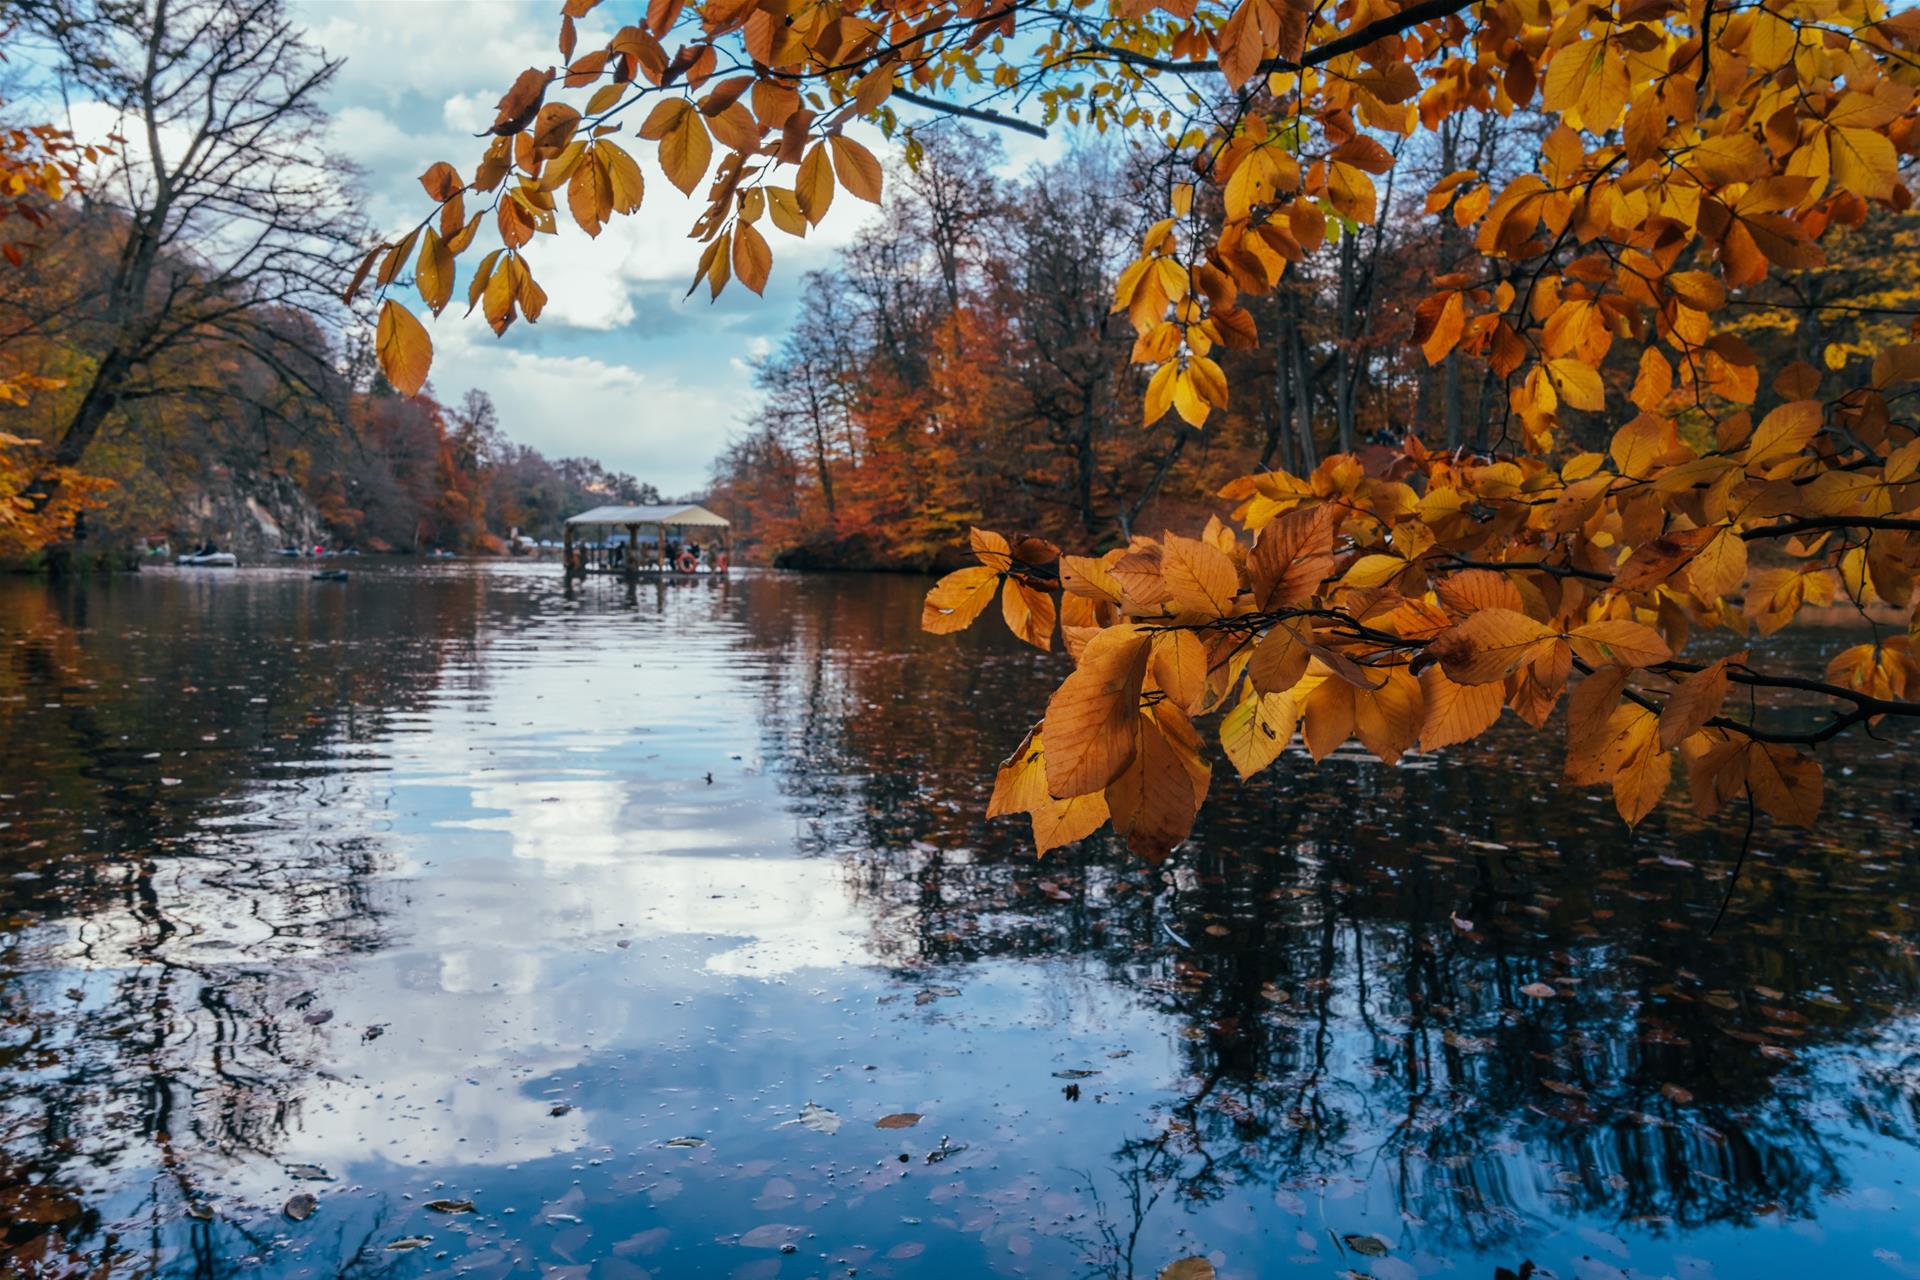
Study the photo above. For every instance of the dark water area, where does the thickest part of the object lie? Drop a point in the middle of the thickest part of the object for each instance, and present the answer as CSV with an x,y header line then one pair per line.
x,y
591,938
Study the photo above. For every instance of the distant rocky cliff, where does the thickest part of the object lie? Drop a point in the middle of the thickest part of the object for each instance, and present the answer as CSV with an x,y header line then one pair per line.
x,y
248,515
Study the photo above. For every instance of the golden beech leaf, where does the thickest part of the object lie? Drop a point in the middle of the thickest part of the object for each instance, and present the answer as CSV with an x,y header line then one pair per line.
x,y
1693,702
990,548
1577,383
1787,430
1655,561
1589,709
1447,326
1279,657
783,206
752,257
1059,822
1088,578
1879,670
1293,555
1157,795
1785,783
813,185
1487,645
1716,766
1387,719
1326,707
1456,712
590,194
1092,721
1159,397
664,118
1179,667
1201,579
1472,590
1642,778
441,181
1021,783
1603,730
1029,613
1188,401
625,181
686,150
1021,787
405,350
957,599
1620,642
1257,730
856,167
433,273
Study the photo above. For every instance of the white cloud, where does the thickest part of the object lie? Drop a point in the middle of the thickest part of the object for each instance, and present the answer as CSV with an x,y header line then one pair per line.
x,y
663,387
639,418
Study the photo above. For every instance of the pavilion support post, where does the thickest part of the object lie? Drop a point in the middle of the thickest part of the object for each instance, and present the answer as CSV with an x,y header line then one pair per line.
x,y
630,563
663,548
567,566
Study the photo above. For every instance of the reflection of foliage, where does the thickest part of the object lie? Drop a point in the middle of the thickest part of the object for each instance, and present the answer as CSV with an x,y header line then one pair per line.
x,y
1355,993
179,1037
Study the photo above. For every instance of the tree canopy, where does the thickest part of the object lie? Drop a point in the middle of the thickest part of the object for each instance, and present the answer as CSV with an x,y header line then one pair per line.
x,y
1640,477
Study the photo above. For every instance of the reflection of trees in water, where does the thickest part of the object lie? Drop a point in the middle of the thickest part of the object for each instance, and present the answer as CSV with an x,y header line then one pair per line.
x,y
1344,950
166,918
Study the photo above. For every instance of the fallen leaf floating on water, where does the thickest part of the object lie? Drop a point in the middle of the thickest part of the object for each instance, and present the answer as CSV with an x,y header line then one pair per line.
x,y
43,1206
301,1207
1195,1268
309,1173
1074,1073
450,1206
947,1149
1538,990
200,1211
559,1108
819,1119
685,1142
898,1120
405,1243
1368,1246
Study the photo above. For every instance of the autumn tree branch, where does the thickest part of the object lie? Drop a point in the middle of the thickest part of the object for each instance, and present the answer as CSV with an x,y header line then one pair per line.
x,y
982,114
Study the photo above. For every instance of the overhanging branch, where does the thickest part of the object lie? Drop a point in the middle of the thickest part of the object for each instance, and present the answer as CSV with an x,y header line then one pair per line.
x,y
981,114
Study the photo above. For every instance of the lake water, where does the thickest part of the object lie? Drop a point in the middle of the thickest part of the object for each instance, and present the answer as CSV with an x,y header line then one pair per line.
x,y
625,918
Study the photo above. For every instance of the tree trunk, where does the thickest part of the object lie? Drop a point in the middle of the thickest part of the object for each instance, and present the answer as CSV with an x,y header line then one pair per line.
x,y
1450,401
1343,357
1303,377
1084,463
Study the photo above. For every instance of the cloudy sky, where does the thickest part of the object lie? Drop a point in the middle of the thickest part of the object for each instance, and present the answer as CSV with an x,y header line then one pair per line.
x,y
619,367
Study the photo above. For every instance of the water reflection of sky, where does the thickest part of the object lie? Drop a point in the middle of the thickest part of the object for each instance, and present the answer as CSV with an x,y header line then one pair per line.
x,y
628,919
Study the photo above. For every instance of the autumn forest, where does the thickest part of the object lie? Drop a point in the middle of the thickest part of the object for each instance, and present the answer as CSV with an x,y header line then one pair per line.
x,y
1289,649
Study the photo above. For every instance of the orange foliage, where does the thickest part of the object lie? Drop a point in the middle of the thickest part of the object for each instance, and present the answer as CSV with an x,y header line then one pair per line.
x,y
38,504
1689,157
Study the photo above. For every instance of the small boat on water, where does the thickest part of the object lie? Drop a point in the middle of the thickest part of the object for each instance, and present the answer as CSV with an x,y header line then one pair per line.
x,y
330,575
208,560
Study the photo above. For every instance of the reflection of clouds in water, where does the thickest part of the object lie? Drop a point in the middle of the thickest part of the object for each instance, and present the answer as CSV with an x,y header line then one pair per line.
x,y
572,822
606,873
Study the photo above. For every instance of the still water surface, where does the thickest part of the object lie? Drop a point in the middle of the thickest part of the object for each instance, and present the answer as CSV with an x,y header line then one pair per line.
x,y
626,917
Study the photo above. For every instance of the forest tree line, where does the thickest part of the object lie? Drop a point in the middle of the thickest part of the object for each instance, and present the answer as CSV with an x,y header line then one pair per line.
x,y
178,308
965,356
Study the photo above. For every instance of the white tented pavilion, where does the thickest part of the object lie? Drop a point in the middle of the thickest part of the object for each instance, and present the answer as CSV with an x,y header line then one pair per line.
x,y
632,541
